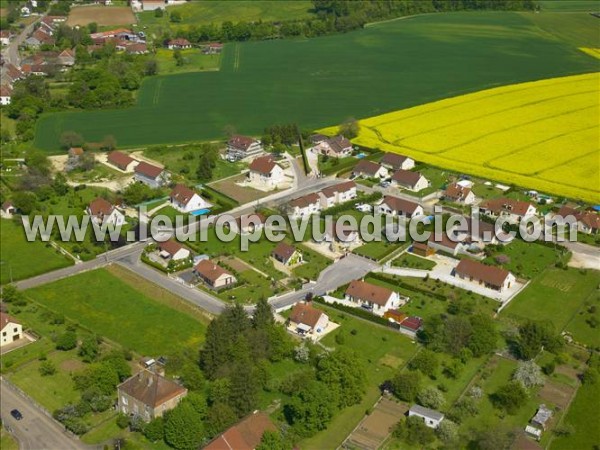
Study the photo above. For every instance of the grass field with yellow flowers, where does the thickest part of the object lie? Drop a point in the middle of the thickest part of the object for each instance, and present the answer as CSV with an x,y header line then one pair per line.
x,y
542,135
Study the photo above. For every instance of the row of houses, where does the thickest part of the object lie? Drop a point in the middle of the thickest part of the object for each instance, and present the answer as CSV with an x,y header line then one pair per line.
x,y
315,202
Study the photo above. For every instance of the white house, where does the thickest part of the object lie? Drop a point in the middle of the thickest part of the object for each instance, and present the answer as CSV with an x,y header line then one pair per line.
x,y
10,328
173,250
151,175
240,147
185,200
512,210
490,277
587,221
287,254
431,417
179,44
395,206
413,181
305,206
394,161
4,37
335,147
5,94
377,299
214,275
265,172
307,320
369,169
339,193
459,194
101,212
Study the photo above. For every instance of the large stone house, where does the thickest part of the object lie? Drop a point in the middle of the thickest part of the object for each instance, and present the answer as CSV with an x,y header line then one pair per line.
x,y
10,328
148,395
240,147
491,277
377,299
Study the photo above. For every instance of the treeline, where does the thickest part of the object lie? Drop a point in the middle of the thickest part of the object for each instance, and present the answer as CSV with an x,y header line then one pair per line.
x,y
338,16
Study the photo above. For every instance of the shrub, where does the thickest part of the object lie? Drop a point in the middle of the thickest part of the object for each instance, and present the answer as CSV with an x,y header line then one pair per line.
x,y
66,341
122,421
47,368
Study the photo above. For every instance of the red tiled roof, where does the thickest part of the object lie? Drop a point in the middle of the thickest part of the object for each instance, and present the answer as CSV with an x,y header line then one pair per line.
x,y
151,389
456,192
241,142
5,91
369,292
339,143
138,47
590,219
341,187
393,159
119,159
76,151
148,170
367,167
304,201
399,204
304,313
180,42
171,246
100,207
245,435
406,177
443,240
263,164
5,319
413,323
7,204
497,205
494,276
182,194
283,251
209,270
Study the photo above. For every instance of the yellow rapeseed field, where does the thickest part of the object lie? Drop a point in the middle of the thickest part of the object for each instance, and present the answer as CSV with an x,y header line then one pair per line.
x,y
542,135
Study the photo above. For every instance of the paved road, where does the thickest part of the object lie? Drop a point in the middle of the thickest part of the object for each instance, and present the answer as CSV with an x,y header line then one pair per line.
x,y
36,431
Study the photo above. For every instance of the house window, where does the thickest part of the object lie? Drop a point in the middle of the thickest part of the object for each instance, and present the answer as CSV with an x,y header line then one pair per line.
x,y
4,333
15,330
124,399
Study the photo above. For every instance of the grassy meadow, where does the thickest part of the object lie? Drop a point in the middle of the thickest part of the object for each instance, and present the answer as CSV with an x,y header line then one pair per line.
x,y
126,309
323,81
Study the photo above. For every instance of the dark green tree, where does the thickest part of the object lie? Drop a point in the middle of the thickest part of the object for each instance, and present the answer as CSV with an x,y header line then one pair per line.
x,y
510,397
406,386
184,429
426,362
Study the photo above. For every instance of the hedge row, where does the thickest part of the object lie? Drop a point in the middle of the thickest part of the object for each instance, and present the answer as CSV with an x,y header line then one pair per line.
x,y
406,286
369,198
358,312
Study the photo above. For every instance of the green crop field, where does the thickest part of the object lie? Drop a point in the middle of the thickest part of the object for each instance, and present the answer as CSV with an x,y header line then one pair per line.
x,y
17,255
124,308
323,81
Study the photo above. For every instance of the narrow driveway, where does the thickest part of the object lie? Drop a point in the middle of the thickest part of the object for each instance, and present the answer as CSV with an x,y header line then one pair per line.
x,y
36,431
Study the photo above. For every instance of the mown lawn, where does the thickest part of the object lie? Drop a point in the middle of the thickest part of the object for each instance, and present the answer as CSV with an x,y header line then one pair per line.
x,y
413,262
194,61
557,296
173,108
126,309
583,417
314,264
382,350
377,250
17,254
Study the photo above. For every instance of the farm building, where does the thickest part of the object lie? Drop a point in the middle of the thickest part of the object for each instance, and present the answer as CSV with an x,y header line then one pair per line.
x,y
265,172
245,435
240,147
121,161
376,299
431,417
150,175
339,193
394,161
395,206
305,206
307,320
489,276
179,44
214,275
101,211
148,395
11,329
369,169
186,200
286,254
456,193
413,181
212,48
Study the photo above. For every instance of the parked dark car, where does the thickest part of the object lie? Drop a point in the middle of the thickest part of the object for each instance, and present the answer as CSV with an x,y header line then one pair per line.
x,y
16,414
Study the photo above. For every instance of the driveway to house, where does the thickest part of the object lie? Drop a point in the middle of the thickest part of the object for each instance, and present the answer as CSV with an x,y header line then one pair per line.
x,y
36,431
341,272
585,256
